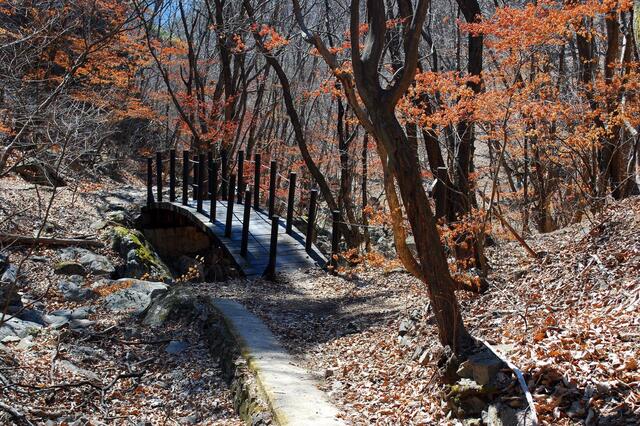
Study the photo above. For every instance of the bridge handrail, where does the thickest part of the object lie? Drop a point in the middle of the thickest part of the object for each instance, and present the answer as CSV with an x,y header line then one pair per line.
x,y
216,167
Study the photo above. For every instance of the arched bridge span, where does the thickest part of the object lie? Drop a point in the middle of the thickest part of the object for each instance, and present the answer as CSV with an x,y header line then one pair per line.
x,y
259,245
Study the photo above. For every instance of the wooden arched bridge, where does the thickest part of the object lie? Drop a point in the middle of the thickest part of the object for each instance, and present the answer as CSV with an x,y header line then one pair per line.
x,y
229,210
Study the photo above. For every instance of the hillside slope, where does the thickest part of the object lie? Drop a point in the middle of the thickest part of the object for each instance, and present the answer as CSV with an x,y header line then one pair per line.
x,y
572,317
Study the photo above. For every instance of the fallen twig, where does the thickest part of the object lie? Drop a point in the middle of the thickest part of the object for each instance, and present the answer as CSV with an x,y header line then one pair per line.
x,y
53,242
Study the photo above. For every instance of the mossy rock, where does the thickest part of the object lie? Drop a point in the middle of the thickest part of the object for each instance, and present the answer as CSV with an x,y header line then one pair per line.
x,y
179,302
69,268
142,260
467,387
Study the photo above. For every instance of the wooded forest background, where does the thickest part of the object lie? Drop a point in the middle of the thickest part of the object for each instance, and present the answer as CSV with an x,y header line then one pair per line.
x,y
432,120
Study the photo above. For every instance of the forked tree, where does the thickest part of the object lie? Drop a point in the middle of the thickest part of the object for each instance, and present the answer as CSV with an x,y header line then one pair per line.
x,y
375,107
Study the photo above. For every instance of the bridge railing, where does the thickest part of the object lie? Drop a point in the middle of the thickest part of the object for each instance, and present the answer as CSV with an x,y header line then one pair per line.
x,y
216,171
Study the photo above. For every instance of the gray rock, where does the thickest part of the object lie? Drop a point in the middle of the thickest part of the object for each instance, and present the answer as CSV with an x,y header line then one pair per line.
x,y
73,292
56,321
9,297
68,267
175,347
99,224
10,274
119,216
179,299
80,324
76,319
405,326
485,366
94,263
189,420
62,313
71,253
465,370
97,264
134,298
19,328
82,312
4,261
25,343
32,315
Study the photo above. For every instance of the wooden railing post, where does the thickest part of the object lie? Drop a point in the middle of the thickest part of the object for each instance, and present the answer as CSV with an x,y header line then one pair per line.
x,y
201,191
273,174
230,198
335,239
149,180
245,223
241,176
159,175
195,176
257,159
213,178
291,201
185,177
224,175
172,175
209,166
270,272
311,219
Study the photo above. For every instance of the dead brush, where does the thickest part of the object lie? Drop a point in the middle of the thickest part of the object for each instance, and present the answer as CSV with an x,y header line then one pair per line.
x,y
194,272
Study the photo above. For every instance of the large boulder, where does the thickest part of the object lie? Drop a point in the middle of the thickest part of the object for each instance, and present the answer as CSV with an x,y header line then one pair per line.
x,y
131,295
141,258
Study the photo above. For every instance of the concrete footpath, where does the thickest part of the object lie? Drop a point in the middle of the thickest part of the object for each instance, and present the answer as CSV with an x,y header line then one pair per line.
x,y
290,391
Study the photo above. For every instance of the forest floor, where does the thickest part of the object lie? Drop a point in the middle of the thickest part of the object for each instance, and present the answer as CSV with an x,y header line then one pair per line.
x,y
569,320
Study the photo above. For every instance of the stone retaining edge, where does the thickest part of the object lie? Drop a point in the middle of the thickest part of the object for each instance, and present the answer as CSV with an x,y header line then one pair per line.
x,y
247,400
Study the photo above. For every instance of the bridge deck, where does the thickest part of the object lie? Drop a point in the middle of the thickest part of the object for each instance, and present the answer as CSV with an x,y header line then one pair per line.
x,y
291,253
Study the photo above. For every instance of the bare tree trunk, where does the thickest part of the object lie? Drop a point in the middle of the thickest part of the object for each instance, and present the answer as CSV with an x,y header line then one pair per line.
x,y
365,195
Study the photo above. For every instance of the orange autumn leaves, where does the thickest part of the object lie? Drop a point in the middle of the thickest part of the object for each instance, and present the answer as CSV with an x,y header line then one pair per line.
x,y
523,93
270,37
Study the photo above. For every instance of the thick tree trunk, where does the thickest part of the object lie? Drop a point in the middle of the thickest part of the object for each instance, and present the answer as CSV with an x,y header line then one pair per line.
x,y
433,264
